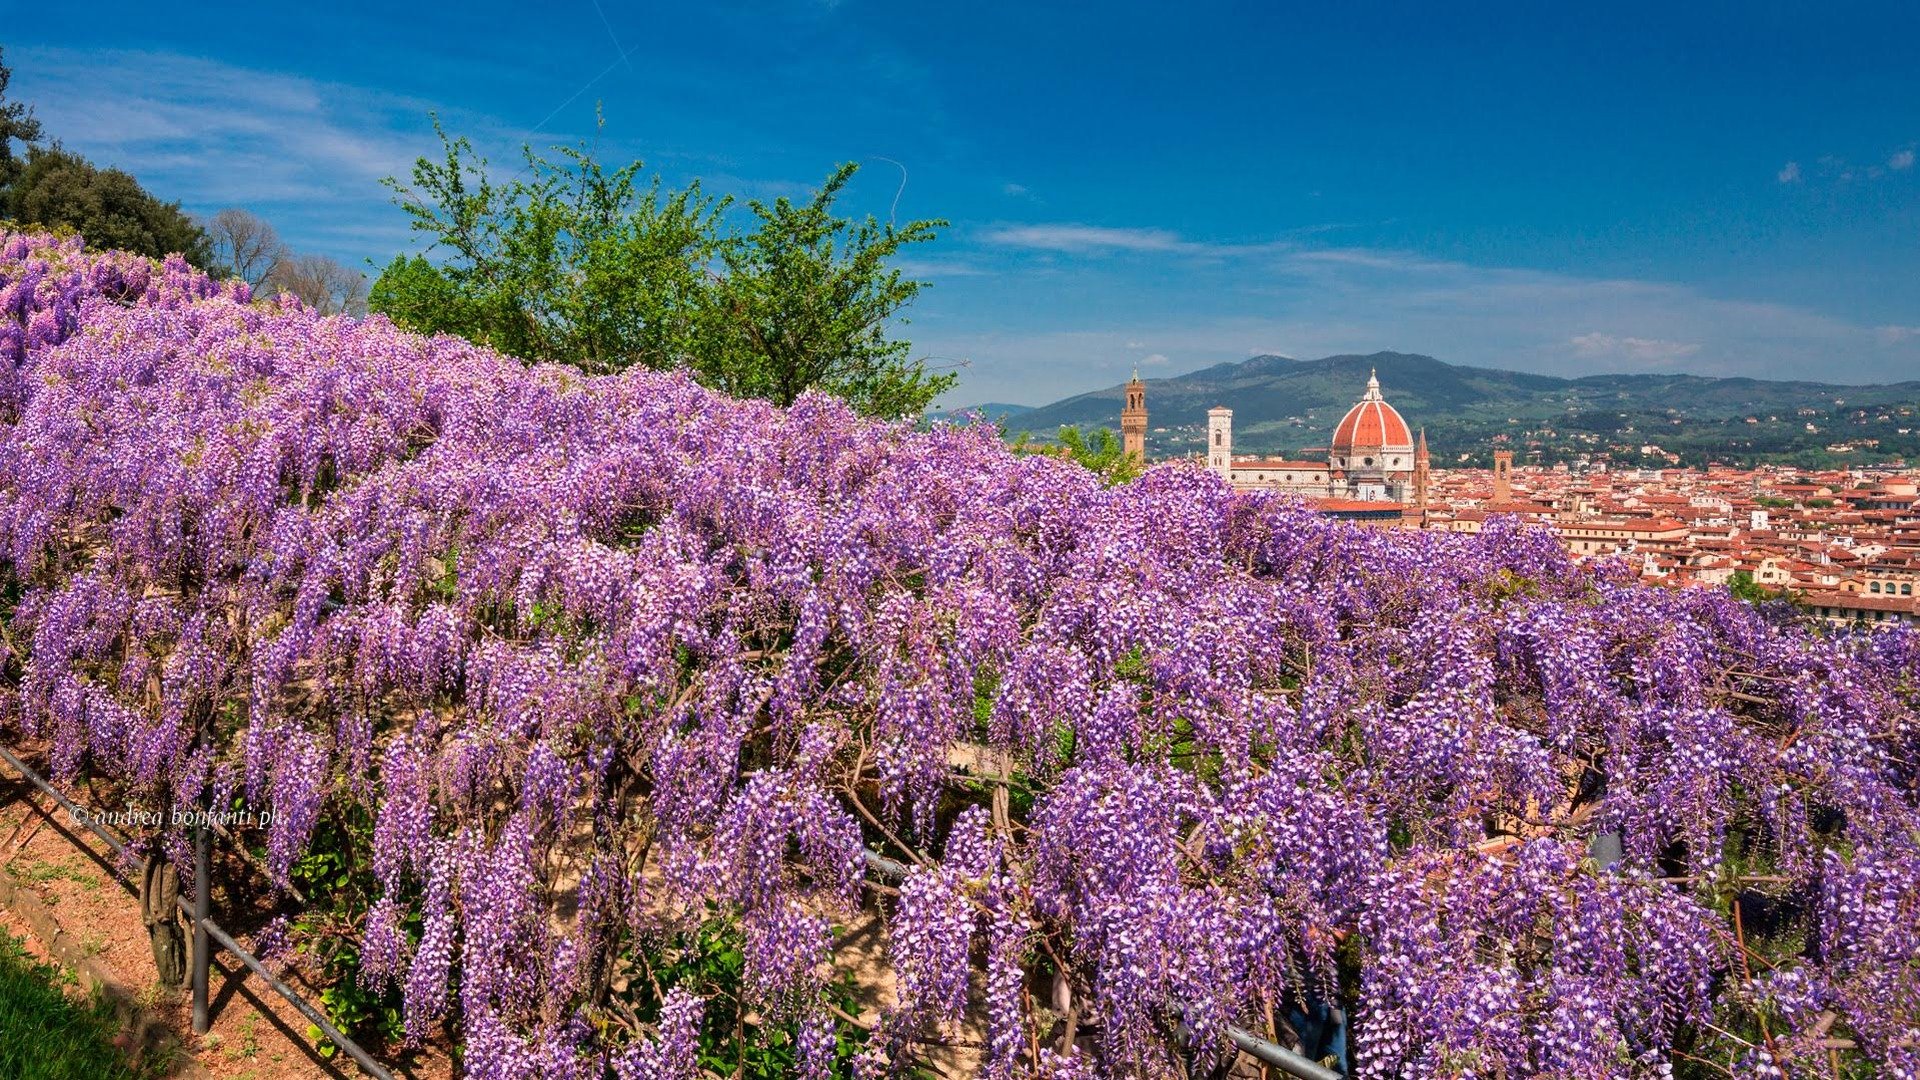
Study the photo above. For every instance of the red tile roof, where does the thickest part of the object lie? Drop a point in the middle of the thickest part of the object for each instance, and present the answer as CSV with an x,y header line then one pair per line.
x,y
1371,423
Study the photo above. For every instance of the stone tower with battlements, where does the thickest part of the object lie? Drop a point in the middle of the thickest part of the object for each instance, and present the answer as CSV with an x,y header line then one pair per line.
x,y
1420,473
1133,419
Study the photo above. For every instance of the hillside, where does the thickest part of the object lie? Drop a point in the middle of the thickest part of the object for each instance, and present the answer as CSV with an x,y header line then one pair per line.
x,y
1283,405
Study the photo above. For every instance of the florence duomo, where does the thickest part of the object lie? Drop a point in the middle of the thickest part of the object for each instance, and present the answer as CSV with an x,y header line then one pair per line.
x,y
1373,456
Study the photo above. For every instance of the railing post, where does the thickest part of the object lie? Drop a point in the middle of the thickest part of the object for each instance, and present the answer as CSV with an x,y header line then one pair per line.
x,y
202,898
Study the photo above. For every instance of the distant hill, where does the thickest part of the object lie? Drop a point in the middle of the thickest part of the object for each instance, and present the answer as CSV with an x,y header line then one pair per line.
x,y
1283,405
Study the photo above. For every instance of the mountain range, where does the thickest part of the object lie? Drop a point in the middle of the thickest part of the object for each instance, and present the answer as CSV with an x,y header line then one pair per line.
x,y
1283,406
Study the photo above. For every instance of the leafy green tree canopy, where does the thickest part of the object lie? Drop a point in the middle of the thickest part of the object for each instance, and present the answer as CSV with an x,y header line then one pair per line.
x,y
804,301
1742,585
17,123
61,189
415,294
1099,450
571,262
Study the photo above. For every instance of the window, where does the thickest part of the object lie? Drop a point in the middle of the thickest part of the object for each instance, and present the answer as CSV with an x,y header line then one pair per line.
x,y
1367,461
1873,586
1216,438
1906,589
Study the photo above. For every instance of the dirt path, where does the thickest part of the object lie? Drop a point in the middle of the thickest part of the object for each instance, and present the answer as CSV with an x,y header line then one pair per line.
x,y
255,1034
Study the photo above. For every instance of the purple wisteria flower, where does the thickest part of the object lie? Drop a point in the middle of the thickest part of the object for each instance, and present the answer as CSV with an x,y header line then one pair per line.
x,y
576,664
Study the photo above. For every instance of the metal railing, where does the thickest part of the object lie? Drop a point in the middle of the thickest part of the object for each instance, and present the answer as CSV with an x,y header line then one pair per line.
x,y
206,931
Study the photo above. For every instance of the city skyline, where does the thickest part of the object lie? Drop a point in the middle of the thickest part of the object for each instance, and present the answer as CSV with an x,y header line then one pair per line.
x,y
1720,191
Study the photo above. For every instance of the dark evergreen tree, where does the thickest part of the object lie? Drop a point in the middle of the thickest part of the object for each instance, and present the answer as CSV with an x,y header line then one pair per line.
x,y
61,189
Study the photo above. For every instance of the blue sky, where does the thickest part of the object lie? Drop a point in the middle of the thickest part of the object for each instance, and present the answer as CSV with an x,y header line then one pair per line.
x,y
1727,189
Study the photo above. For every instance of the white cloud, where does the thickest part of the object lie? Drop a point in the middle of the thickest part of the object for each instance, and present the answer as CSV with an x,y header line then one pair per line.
x,y
1015,190
1154,360
935,269
1895,335
1071,238
1087,238
247,135
1369,259
307,155
1644,350
1835,169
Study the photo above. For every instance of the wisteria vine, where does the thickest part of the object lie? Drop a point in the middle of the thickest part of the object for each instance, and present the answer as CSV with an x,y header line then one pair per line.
x,y
603,660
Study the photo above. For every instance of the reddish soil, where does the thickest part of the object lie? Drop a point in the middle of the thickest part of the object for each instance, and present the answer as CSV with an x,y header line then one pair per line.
x,y
255,1033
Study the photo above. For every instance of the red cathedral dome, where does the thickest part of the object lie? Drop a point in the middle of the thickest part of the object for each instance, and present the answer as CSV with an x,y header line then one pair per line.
x,y
1372,424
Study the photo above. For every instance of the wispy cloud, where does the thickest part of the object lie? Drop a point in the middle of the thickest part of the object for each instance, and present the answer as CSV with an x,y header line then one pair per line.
x,y
1639,349
1369,259
1074,238
280,136
1897,335
308,154
935,269
1154,360
1834,169
1086,238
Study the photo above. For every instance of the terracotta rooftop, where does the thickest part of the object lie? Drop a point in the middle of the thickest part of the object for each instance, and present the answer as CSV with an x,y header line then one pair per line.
x,y
1371,423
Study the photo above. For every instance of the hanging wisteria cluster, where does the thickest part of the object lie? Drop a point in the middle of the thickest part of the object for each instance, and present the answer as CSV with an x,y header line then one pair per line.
x,y
603,659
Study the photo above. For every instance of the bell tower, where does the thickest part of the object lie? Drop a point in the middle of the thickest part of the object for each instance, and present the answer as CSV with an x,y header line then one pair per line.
x,y
1220,441
1503,476
1133,419
1420,477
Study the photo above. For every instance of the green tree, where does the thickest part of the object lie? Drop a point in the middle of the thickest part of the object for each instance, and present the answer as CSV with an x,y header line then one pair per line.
x,y
58,188
568,263
17,122
1742,585
415,294
1100,451
804,302
575,263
